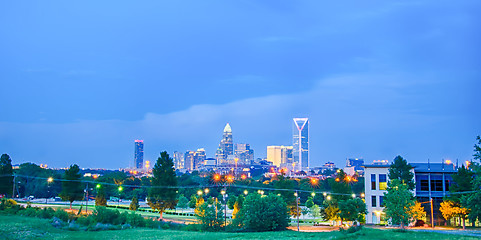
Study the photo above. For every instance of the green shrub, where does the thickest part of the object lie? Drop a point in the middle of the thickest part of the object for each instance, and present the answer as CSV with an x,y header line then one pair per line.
x,y
135,220
46,213
105,215
30,212
263,213
62,215
86,220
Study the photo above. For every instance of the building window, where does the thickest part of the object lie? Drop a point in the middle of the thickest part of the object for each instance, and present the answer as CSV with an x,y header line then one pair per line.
x,y
382,182
424,185
373,201
437,185
373,181
446,185
381,201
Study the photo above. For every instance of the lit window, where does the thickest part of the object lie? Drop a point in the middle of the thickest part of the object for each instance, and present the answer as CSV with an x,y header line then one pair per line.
x,y
382,182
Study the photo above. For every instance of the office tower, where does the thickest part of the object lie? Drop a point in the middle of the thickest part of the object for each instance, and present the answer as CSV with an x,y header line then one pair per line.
x,y
243,153
226,146
139,154
300,142
280,156
189,160
178,160
199,158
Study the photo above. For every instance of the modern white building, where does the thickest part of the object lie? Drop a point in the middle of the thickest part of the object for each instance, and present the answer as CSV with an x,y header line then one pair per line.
x,y
432,181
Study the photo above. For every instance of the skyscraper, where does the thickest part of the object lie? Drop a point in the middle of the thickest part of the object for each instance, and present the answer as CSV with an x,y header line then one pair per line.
x,y
243,153
189,160
280,156
178,160
300,143
226,145
139,154
199,158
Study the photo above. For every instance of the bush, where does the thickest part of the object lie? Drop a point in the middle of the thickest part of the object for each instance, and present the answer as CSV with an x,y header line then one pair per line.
x,y
30,212
135,220
263,213
62,215
351,229
105,215
46,213
208,218
86,220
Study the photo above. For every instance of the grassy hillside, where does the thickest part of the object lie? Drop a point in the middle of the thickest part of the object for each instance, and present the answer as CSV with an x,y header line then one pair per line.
x,y
17,227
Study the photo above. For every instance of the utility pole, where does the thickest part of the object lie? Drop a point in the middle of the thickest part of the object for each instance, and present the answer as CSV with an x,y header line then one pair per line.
x,y
432,213
13,191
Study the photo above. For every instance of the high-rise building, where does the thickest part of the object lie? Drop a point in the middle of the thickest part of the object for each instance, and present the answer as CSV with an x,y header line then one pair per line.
x,y
139,154
226,146
189,160
300,143
243,153
199,158
280,156
178,160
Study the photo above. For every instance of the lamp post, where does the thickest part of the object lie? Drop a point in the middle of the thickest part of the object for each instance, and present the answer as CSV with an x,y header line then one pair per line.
x,y
49,180
224,197
297,207
118,200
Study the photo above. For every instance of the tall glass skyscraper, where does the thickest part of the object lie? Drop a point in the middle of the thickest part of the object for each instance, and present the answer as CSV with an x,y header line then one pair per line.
x,y
300,143
139,154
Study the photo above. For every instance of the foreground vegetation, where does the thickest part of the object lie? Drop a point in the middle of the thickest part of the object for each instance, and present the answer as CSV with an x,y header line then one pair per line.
x,y
19,227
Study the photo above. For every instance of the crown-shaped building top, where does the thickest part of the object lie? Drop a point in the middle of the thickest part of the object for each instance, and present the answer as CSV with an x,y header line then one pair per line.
x,y
227,128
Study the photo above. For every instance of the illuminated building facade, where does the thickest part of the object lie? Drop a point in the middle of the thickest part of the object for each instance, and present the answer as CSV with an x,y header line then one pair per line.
x,y
244,153
300,143
189,160
139,154
178,160
226,146
280,156
199,158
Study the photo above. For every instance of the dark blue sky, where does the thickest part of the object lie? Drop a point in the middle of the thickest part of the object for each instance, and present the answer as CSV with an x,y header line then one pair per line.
x,y
81,80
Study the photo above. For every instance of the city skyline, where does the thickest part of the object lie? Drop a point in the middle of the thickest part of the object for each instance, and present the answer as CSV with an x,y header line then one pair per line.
x,y
376,79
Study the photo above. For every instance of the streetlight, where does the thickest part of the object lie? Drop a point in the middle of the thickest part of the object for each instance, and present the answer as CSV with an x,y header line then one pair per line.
x,y
329,197
362,195
245,192
206,191
49,180
353,195
313,194
324,194
120,190
297,207
199,192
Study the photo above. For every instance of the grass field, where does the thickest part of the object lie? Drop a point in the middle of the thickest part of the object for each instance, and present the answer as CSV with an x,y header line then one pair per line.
x,y
17,227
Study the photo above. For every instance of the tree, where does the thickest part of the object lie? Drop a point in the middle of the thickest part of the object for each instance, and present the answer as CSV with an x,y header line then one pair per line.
x,y
330,210
210,216
163,194
462,182
315,211
199,202
193,201
472,200
134,204
401,170
309,202
100,199
417,211
183,202
263,213
237,205
72,189
6,175
450,209
231,201
398,201
352,210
